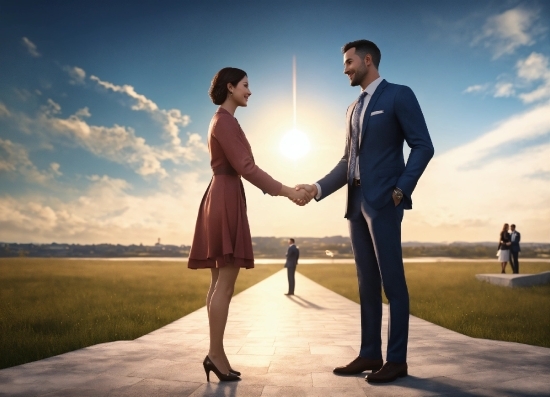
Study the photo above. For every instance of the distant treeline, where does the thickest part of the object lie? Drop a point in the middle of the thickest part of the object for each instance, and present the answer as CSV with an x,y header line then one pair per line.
x,y
268,247
340,247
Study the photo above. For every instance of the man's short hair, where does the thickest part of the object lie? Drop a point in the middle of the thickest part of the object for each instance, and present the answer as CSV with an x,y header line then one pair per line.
x,y
364,47
292,240
512,225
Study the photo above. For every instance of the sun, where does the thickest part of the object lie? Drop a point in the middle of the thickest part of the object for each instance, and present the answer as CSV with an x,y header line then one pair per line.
x,y
294,144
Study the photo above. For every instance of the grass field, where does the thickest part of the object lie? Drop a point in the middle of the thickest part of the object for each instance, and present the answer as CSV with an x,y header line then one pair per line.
x,y
448,294
51,306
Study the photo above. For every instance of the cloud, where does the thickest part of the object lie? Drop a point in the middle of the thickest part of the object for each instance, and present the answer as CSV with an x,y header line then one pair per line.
x,y
503,89
55,169
468,193
31,47
4,112
107,211
117,143
504,33
535,68
478,88
14,159
170,119
531,71
22,94
76,74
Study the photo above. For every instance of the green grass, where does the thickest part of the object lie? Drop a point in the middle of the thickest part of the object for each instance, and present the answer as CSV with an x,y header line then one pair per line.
x,y
52,306
448,294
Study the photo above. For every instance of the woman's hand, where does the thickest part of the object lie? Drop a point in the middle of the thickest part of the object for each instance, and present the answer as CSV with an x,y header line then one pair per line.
x,y
300,197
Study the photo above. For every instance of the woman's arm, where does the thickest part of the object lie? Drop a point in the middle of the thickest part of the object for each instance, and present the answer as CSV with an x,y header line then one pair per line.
x,y
227,132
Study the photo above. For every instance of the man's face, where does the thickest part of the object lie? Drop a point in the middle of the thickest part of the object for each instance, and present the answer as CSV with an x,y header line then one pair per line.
x,y
354,67
290,242
512,228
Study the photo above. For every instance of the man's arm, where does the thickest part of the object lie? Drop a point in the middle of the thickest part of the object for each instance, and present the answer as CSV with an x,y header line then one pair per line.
x,y
417,137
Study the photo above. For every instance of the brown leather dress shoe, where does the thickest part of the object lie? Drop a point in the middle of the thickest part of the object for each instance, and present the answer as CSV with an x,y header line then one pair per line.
x,y
359,365
388,373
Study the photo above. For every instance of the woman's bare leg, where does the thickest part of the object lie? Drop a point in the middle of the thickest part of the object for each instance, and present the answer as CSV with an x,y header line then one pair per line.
x,y
215,274
213,281
217,315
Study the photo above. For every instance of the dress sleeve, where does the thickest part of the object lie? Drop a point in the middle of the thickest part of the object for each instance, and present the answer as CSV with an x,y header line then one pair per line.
x,y
227,132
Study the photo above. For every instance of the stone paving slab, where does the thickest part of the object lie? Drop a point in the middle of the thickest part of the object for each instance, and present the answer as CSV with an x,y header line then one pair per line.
x,y
516,280
284,346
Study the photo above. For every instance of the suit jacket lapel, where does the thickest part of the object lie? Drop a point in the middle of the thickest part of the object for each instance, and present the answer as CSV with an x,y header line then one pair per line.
x,y
372,102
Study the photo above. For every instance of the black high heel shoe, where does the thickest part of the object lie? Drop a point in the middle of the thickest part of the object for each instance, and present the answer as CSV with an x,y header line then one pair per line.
x,y
209,366
234,372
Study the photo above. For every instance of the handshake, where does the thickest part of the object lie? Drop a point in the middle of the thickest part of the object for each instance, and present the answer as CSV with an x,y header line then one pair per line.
x,y
300,194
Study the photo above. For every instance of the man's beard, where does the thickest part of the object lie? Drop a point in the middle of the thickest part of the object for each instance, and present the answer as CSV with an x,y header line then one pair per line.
x,y
358,77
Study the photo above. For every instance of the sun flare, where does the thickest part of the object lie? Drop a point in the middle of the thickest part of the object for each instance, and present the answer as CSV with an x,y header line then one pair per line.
x,y
295,144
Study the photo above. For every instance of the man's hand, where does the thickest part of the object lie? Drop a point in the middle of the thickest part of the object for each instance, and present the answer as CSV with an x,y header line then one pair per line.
x,y
310,191
396,200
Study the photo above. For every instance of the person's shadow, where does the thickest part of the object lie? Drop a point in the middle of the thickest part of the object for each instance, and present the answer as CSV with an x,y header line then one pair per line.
x,y
304,302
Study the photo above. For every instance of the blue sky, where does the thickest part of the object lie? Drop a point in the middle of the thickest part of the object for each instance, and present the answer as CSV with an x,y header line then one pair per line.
x,y
104,112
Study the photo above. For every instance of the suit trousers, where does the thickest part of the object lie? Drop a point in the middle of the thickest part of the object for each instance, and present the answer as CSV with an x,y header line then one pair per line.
x,y
514,261
290,271
376,243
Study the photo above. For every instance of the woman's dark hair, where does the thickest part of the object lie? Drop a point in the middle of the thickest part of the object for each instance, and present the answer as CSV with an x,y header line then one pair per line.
x,y
504,228
218,89
364,47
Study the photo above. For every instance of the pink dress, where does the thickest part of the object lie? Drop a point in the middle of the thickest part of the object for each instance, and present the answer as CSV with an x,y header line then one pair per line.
x,y
222,234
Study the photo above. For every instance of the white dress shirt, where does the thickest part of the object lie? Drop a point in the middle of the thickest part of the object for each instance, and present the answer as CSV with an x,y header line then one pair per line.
x,y
370,90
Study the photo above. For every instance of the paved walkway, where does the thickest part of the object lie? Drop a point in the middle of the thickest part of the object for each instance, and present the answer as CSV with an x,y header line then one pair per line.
x,y
284,346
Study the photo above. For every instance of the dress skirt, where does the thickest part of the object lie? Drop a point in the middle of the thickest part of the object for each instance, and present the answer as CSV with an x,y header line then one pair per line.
x,y
504,256
222,233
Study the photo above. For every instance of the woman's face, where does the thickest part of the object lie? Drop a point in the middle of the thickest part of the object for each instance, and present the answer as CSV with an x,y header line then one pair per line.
x,y
506,227
241,92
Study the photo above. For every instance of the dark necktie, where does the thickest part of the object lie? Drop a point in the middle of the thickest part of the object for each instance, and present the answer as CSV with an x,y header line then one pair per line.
x,y
355,131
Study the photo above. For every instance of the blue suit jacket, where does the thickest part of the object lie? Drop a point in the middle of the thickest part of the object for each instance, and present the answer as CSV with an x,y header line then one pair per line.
x,y
515,244
397,119
292,256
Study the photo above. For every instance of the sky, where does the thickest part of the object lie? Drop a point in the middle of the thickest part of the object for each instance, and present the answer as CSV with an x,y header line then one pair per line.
x,y
104,113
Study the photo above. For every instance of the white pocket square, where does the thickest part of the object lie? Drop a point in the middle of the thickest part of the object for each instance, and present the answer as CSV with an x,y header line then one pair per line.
x,y
377,112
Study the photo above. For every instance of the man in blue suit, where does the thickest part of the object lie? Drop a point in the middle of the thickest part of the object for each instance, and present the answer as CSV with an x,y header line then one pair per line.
x,y
515,238
292,256
379,187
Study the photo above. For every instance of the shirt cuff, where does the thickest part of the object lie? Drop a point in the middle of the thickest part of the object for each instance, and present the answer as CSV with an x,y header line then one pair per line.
x,y
319,192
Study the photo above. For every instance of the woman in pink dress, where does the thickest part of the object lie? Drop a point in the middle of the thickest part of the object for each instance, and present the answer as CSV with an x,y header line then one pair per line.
x,y
222,241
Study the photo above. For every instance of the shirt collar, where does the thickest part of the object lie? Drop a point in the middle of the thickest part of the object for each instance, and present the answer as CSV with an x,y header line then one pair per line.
x,y
373,86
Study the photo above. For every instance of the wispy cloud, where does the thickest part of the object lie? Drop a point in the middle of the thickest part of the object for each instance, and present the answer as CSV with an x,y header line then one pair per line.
x,y
77,75
478,88
535,68
485,186
31,47
531,83
503,89
170,119
14,160
117,143
106,211
504,33
4,112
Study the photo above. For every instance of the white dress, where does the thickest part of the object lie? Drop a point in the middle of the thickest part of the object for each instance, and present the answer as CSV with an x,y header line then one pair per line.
x,y
504,256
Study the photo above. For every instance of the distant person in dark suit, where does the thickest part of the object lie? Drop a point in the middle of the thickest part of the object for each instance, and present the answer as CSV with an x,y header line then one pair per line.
x,y
515,237
504,247
292,255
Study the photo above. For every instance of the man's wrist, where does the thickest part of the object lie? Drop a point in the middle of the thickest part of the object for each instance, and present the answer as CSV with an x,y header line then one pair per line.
x,y
318,191
398,193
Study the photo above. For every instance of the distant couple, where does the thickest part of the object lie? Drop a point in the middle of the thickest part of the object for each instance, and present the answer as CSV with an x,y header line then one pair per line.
x,y
379,187
508,248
